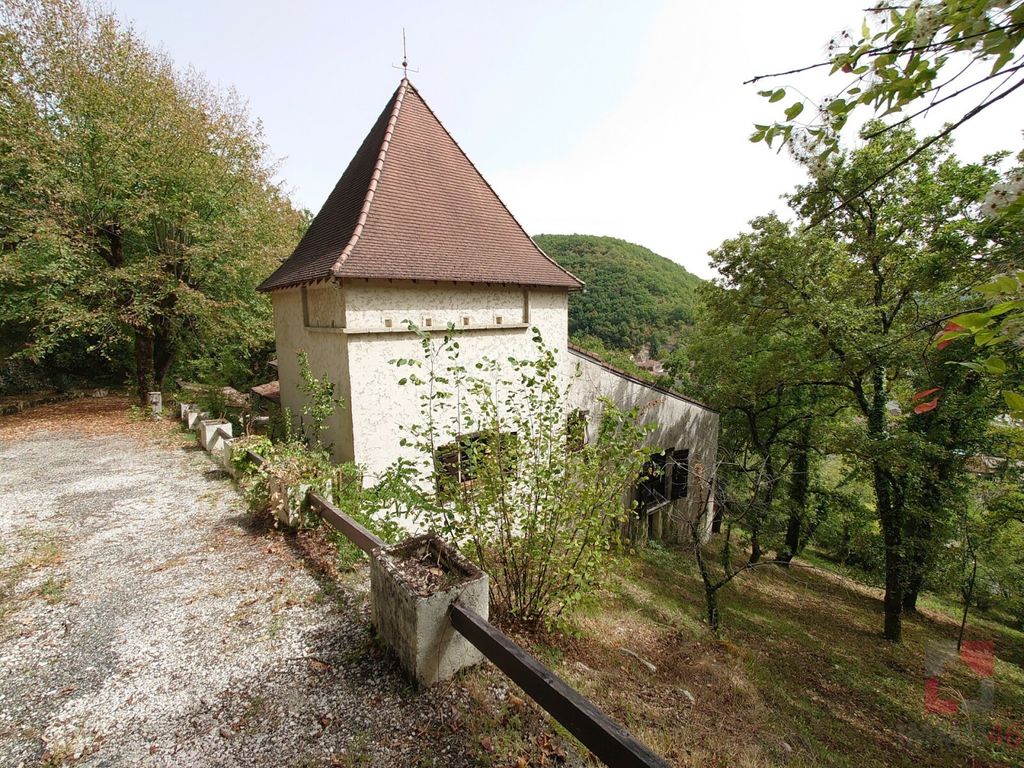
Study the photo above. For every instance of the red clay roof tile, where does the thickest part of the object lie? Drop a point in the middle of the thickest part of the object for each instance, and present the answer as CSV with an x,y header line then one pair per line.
x,y
412,206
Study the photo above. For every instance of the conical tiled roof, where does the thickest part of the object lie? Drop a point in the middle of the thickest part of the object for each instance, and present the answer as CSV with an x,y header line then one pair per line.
x,y
411,206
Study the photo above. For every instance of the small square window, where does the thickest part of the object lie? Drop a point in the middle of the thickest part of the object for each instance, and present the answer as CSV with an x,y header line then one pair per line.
x,y
387,322
465,320
497,319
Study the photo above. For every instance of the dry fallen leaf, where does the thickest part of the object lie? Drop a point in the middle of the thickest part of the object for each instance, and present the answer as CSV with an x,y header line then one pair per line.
x,y
487,744
318,666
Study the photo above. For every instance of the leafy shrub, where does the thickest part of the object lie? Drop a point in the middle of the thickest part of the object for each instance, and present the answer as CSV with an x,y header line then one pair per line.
x,y
501,474
296,464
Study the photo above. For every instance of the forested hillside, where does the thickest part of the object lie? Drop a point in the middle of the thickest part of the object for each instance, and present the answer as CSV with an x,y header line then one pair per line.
x,y
633,296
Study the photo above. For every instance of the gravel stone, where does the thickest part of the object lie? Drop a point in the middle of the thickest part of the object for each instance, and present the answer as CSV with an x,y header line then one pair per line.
x,y
145,621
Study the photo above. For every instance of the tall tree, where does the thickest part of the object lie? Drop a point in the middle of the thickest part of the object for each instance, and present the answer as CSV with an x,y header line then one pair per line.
x,y
912,59
764,375
137,205
884,274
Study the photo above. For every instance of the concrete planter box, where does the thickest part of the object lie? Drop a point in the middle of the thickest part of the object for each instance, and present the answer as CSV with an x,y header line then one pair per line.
x,y
209,427
155,400
221,451
193,416
216,440
185,408
411,586
286,501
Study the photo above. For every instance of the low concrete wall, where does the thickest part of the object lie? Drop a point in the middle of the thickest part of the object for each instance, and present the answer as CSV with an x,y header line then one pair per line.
x,y
222,452
193,416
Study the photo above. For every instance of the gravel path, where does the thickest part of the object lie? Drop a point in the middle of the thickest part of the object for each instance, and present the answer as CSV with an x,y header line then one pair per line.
x,y
144,622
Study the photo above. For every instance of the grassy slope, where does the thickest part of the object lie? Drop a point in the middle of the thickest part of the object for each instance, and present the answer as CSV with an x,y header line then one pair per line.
x,y
631,292
801,676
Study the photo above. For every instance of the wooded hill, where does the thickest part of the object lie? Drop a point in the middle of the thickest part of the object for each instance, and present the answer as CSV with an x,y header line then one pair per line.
x,y
633,295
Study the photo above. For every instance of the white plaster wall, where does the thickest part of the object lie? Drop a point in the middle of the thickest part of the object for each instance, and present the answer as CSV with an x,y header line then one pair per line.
x,y
680,423
328,356
369,303
379,411
325,305
381,408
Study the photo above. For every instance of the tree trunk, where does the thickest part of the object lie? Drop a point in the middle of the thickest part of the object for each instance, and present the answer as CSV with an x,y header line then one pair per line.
x,y
762,511
164,354
711,598
914,582
144,374
710,588
799,491
755,543
889,504
892,532
967,601
893,628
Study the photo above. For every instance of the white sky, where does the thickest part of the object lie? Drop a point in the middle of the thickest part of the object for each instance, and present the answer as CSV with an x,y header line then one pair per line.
x,y
610,118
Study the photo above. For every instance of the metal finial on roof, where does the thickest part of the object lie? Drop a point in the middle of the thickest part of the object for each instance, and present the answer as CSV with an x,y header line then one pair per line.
x,y
405,59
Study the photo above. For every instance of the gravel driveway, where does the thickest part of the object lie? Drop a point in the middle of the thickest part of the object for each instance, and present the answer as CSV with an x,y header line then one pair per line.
x,y
144,622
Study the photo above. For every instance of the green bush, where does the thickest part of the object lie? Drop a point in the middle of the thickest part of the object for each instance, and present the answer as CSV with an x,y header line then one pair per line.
x,y
502,474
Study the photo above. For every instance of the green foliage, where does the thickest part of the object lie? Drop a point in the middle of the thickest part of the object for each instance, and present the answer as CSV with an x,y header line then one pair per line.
x,y
839,319
849,533
633,296
998,329
377,507
212,400
321,401
137,206
908,58
497,476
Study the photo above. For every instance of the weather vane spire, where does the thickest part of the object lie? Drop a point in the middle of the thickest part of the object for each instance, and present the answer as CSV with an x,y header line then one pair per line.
x,y
405,58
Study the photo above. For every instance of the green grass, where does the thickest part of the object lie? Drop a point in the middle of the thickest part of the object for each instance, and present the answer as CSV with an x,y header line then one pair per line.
x,y
799,676
52,590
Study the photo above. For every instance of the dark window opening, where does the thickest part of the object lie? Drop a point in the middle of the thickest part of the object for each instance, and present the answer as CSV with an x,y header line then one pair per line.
x,y
651,490
680,474
459,462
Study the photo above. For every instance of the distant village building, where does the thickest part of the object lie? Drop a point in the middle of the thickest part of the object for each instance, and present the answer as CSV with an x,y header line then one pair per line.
x,y
651,366
412,231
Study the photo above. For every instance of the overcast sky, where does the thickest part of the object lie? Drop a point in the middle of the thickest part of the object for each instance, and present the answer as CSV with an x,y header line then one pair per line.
x,y
616,118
